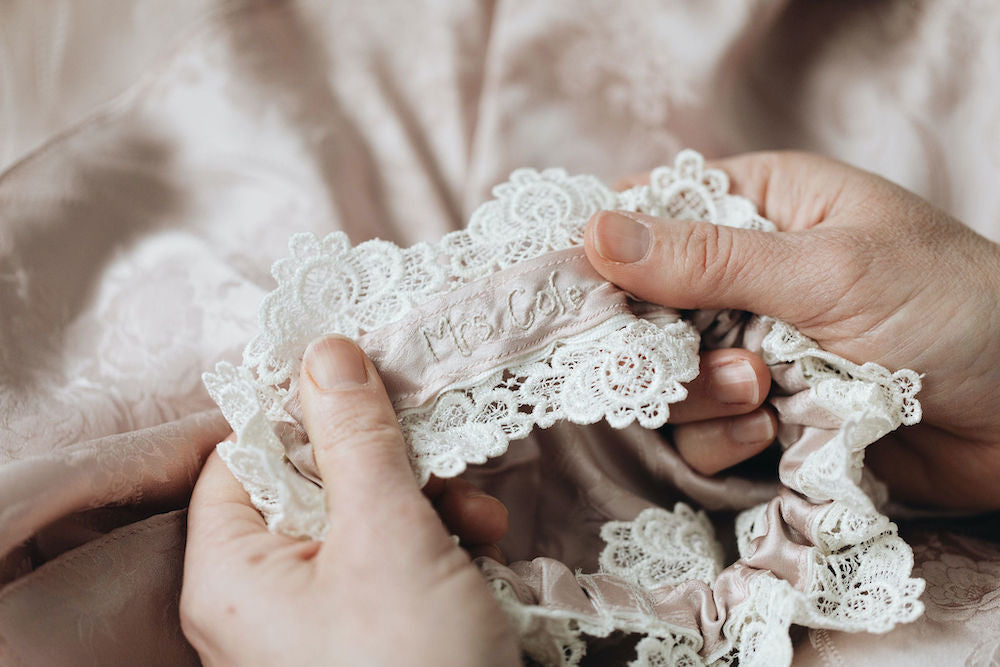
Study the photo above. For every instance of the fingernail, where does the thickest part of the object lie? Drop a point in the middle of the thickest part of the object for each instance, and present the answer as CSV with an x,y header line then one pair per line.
x,y
735,383
752,429
335,362
618,238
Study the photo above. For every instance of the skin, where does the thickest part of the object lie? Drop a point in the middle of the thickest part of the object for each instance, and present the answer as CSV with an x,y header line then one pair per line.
x,y
250,597
880,275
246,591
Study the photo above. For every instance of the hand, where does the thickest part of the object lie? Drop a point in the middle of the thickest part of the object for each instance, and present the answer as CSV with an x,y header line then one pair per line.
x,y
722,421
388,586
870,271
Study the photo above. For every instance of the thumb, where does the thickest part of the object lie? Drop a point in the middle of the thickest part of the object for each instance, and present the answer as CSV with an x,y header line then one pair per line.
x,y
686,265
357,443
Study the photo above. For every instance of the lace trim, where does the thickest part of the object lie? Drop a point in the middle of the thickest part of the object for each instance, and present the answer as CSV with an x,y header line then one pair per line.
x,y
858,575
661,548
858,569
627,372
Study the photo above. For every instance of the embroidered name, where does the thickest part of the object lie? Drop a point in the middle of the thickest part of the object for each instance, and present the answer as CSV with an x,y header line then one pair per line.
x,y
462,332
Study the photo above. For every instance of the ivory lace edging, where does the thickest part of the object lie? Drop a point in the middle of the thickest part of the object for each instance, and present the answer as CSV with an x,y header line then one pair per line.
x,y
627,368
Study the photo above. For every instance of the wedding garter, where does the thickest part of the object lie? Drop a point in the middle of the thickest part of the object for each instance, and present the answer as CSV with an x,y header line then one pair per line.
x,y
504,327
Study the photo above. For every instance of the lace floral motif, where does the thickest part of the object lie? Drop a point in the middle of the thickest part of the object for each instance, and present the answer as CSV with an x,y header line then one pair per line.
x,y
655,652
619,373
661,548
327,286
626,369
960,587
533,213
688,191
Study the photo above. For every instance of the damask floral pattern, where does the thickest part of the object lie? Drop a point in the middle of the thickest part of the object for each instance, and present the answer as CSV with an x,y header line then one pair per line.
x,y
959,587
963,577
415,134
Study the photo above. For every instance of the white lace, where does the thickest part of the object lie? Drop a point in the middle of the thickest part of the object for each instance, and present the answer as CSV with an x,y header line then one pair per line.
x,y
859,570
326,286
627,370
859,567
661,548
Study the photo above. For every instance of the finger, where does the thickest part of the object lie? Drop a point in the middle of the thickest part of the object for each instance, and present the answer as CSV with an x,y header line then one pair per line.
x,y
730,382
714,445
357,443
476,517
690,265
792,189
220,512
228,546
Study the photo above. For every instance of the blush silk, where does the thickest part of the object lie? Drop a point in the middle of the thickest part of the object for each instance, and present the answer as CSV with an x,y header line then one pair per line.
x,y
156,157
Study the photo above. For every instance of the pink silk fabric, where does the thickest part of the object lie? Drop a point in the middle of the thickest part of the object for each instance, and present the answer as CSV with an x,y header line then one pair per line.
x,y
155,158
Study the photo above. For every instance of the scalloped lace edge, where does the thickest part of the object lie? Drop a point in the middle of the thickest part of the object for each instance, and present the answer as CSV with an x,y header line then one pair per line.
x,y
326,286
871,400
858,576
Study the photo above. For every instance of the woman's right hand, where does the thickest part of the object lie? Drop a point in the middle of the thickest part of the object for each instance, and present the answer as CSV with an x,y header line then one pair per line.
x,y
388,586
870,271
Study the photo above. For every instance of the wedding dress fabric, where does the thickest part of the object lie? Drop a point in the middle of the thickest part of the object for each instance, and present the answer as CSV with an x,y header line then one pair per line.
x,y
156,159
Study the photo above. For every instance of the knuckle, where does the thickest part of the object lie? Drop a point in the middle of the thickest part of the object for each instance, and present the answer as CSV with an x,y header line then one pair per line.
x,y
369,426
359,418
368,453
378,440
709,254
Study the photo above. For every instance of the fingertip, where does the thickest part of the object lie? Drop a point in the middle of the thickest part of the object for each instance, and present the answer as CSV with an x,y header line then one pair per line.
x,y
493,518
334,362
737,377
346,411
474,516
649,257
753,432
620,237
730,382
